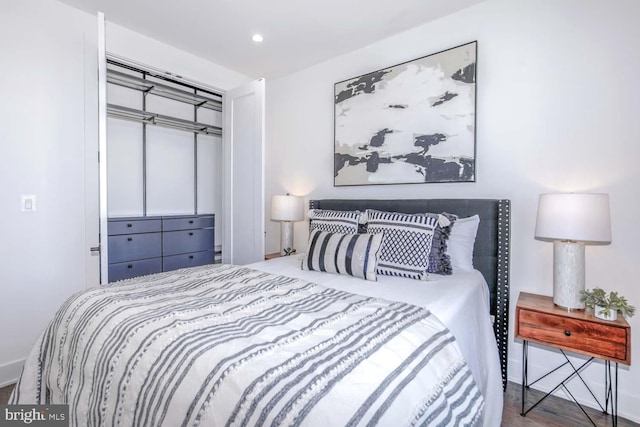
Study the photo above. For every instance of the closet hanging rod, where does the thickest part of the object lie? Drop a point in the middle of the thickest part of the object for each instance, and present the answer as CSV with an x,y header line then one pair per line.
x,y
160,89
138,67
139,116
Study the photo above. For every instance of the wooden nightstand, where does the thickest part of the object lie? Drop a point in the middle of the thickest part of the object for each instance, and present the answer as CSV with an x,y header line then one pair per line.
x,y
272,256
539,320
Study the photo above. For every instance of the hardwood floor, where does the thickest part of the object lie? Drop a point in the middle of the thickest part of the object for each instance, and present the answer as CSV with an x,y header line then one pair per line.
x,y
5,392
553,412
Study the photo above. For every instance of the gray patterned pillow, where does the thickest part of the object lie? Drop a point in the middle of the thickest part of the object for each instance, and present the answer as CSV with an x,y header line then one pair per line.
x,y
406,244
334,221
347,254
439,259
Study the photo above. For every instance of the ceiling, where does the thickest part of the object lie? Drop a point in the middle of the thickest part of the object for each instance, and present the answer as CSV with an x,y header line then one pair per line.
x,y
297,33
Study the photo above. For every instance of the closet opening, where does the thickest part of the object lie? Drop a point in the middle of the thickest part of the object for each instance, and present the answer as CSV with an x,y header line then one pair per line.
x,y
164,170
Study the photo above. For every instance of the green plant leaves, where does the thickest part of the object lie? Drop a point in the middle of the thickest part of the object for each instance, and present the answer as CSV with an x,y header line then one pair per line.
x,y
613,301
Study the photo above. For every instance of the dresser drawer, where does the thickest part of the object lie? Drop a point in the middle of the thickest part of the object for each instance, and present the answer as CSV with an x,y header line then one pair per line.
x,y
127,270
134,226
181,242
583,336
194,259
130,247
187,223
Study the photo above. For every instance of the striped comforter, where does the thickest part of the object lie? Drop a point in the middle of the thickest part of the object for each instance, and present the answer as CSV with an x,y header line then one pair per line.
x,y
227,346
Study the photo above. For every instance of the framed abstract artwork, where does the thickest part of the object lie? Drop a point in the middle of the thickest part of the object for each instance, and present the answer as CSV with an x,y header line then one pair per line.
x,y
413,122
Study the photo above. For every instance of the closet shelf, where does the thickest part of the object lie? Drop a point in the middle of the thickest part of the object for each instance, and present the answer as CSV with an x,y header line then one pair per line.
x,y
165,91
132,114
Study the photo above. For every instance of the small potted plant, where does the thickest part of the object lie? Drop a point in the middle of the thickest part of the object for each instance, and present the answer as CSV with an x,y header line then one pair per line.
x,y
605,306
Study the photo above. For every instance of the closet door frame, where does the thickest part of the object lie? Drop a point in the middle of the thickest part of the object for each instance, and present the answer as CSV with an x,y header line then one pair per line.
x,y
243,195
102,147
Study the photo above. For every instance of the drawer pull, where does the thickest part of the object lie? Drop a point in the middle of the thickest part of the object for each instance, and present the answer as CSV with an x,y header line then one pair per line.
x,y
130,266
190,234
129,225
567,333
129,239
191,221
190,256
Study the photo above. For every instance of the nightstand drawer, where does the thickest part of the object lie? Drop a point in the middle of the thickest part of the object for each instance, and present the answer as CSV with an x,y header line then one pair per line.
x,y
593,338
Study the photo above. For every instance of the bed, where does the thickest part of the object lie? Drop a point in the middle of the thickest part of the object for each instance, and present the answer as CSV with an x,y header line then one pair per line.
x,y
271,344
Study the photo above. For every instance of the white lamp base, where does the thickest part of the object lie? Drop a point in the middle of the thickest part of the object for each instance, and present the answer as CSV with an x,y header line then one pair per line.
x,y
286,238
568,273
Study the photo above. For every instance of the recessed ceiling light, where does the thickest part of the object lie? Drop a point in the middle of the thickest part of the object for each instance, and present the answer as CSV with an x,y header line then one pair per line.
x,y
257,38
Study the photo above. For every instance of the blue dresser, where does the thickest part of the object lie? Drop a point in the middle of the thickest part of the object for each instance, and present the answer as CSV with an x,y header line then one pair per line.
x,y
145,245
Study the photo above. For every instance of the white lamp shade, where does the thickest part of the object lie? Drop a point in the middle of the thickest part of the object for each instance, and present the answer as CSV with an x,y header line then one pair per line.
x,y
574,216
287,208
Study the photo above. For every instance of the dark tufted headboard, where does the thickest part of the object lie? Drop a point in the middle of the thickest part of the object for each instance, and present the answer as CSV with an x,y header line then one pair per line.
x,y
491,251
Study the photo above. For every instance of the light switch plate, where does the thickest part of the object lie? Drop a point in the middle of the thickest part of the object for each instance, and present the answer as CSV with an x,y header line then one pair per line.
x,y
28,203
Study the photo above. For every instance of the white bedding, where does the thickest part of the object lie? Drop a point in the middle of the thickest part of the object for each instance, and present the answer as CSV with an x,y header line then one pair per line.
x,y
224,345
460,301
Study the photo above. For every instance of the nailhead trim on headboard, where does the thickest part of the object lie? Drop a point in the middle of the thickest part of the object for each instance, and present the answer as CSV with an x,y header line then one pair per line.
x,y
501,326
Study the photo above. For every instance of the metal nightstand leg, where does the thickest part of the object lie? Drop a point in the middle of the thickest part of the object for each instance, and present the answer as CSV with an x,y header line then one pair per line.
x,y
525,368
611,391
611,385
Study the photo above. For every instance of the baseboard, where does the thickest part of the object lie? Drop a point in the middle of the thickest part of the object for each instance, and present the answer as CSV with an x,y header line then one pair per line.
x,y
10,372
627,401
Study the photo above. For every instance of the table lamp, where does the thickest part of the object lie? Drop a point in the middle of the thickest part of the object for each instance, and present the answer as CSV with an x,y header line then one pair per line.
x,y
572,220
287,209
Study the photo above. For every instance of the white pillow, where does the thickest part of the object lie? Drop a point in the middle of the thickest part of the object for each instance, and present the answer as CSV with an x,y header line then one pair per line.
x,y
461,241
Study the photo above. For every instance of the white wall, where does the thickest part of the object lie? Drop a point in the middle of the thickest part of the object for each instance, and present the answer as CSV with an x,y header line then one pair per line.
x,y
124,42
42,109
47,127
557,110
